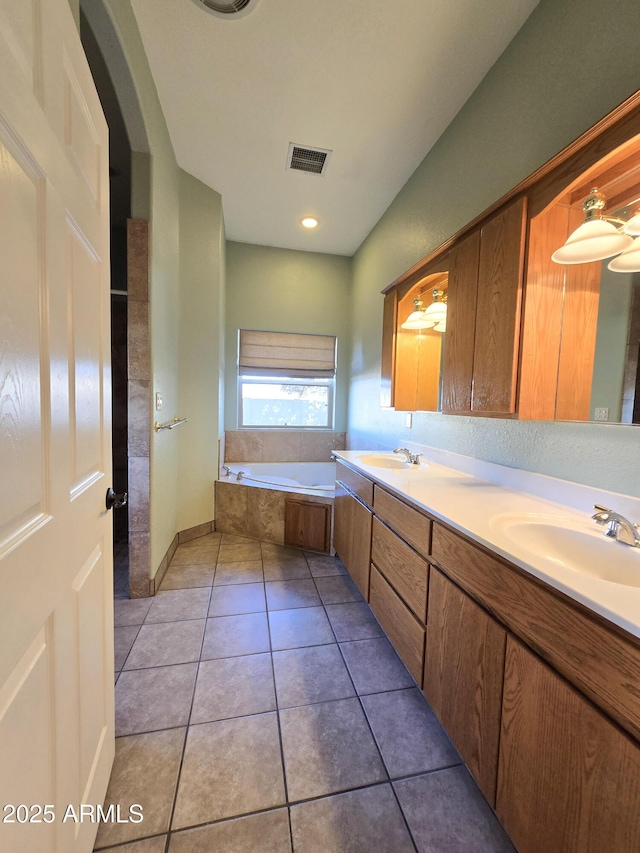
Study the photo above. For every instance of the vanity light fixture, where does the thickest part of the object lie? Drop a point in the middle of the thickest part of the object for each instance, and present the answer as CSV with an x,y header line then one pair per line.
x,y
436,313
309,221
598,237
433,317
417,319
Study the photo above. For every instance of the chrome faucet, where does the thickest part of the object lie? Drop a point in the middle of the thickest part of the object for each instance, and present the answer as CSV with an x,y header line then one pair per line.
x,y
227,470
239,475
618,527
412,458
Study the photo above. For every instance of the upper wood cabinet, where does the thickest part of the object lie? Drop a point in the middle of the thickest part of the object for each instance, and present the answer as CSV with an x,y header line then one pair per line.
x,y
545,342
484,313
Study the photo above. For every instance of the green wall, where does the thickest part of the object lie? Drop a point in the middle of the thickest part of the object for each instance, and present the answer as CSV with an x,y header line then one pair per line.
x,y
201,339
282,290
542,93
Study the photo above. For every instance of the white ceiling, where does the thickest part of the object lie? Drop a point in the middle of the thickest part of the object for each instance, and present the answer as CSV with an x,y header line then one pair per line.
x,y
377,82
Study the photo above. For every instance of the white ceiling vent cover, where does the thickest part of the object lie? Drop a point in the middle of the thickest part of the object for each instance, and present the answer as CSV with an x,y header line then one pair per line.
x,y
302,158
228,8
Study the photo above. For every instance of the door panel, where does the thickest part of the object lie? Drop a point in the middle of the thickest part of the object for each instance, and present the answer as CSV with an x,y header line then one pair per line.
x,y
56,610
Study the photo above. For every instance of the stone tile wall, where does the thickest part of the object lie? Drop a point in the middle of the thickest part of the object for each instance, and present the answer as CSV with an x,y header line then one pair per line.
x,y
281,445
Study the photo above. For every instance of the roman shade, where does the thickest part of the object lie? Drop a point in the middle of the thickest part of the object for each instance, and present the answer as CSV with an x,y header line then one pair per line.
x,y
286,354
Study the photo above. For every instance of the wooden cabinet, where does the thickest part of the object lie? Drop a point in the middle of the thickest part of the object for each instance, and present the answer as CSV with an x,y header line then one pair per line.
x,y
405,570
569,780
464,665
352,536
404,630
307,524
411,524
484,312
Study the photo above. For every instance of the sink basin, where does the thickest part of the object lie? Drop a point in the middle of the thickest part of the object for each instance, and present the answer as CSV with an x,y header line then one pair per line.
x,y
383,460
572,544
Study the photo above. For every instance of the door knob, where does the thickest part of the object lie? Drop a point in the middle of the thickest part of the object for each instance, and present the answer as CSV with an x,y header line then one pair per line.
x,y
114,500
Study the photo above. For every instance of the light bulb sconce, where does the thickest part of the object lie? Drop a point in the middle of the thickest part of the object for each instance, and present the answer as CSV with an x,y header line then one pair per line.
x,y
432,317
600,237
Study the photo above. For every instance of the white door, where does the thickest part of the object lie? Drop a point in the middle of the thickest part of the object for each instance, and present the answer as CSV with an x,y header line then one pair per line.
x,y
56,646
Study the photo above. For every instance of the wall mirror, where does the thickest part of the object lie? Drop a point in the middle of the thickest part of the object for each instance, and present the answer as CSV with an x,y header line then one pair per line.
x,y
581,339
418,354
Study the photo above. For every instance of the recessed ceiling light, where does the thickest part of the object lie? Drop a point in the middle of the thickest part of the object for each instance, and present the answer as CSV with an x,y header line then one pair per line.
x,y
309,221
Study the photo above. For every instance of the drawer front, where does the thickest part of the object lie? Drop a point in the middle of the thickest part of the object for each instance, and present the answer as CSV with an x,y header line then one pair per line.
x,y
410,524
600,661
359,485
403,629
405,570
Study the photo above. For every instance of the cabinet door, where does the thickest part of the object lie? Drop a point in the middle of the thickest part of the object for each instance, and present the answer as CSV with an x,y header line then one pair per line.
x,y
569,780
402,627
463,674
498,309
352,536
462,296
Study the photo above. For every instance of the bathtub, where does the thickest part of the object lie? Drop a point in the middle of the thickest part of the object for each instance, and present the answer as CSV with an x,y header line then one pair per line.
x,y
316,478
258,504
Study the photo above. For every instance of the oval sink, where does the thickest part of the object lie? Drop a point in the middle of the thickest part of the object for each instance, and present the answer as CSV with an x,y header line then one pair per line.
x,y
572,544
383,460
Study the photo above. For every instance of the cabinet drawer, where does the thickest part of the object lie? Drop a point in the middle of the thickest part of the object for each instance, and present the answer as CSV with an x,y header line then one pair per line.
x,y
405,570
410,524
359,485
404,630
598,659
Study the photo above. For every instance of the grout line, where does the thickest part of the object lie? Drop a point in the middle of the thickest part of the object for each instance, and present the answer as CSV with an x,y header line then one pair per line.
x,y
186,737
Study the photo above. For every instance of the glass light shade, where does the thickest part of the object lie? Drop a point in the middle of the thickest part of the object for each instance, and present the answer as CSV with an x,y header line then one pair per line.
x,y
436,312
441,326
633,226
594,240
418,320
628,261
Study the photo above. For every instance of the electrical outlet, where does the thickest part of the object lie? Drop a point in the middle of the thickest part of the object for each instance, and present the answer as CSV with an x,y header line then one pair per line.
x,y
601,414
158,401
408,421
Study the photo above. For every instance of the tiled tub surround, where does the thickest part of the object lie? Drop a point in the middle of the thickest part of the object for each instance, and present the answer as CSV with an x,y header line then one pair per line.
x,y
255,505
259,707
282,445
474,497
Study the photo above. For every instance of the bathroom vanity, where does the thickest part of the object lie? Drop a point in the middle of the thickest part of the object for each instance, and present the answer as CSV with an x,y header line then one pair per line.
x,y
531,662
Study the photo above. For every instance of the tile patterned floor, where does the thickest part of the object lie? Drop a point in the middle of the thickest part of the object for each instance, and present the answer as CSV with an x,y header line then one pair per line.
x,y
261,709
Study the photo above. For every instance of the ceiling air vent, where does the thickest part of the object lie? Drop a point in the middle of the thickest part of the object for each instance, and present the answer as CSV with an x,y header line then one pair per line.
x,y
313,161
228,8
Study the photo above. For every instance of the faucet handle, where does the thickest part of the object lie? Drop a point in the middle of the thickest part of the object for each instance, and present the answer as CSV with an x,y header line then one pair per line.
x,y
603,514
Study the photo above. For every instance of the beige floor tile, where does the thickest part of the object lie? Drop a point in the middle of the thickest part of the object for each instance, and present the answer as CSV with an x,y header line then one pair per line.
x,y
238,573
230,768
328,748
166,643
179,605
131,611
188,577
123,640
285,595
156,698
145,771
238,598
358,821
239,553
231,636
147,845
305,626
261,833
233,687
311,674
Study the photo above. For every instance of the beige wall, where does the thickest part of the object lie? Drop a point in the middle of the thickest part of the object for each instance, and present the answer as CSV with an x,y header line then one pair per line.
x,y
201,342
537,98
281,290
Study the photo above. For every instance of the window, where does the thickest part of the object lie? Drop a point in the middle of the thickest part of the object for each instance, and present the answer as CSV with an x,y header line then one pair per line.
x,y
286,380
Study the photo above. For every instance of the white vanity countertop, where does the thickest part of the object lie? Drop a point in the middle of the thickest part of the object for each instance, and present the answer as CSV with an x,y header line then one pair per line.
x,y
494,516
